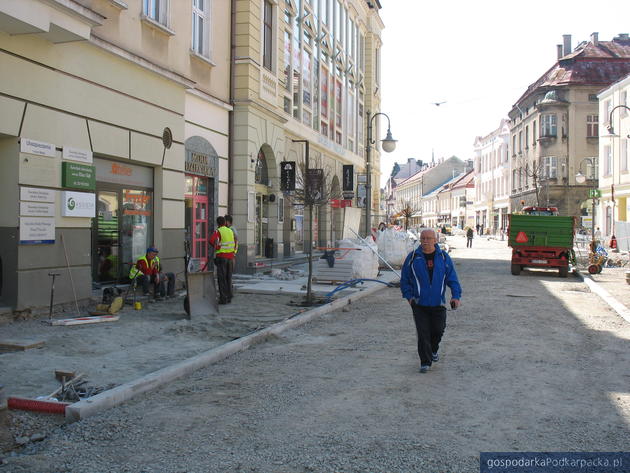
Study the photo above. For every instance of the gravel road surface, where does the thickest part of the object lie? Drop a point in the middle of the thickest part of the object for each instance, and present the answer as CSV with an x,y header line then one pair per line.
x,y
529,363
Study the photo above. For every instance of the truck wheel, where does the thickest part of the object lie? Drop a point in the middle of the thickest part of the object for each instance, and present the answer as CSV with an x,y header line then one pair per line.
x,y
516,269
599,268
592,269
563,271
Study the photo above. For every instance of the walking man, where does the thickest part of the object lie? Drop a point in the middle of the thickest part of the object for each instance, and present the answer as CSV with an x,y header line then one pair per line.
x,y
425,274
224,244
469,237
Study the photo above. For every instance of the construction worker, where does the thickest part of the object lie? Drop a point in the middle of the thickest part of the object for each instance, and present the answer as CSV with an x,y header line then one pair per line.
x,y
224,244
147,271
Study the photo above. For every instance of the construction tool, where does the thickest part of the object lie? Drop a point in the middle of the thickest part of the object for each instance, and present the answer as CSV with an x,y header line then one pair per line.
x,y
201,295
52,293
74,291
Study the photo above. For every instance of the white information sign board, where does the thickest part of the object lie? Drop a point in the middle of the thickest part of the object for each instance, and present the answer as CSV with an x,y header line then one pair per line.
x,y
76,154
37,230
37,147
37,209
78,204
37,194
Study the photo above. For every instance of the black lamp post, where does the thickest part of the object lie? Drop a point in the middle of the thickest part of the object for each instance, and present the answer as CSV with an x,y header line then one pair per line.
x,y
389,145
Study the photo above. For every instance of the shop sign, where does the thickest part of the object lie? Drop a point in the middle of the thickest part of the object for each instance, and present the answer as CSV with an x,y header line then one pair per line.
x,y
37,209
78,204
37,230
198,164
78,176
75,154
36,194
123,173
287,176
37,147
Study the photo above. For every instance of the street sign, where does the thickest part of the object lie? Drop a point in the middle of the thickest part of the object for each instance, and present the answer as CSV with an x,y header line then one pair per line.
x,y
594,193
287,176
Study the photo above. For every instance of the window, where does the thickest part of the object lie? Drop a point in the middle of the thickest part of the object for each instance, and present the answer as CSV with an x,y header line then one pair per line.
x,y
200,29
287,60
548,125
377,67
592,126
534,133
267,34
607,160
306,77
513,145
156,10
261,174
624,101
550,167
520,141
624,151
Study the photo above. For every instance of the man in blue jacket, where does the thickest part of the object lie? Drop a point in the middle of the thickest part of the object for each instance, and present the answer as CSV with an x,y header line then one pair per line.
x,y
425,274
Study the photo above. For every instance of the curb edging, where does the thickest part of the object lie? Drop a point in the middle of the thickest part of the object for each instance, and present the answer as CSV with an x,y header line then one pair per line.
x,y
124,392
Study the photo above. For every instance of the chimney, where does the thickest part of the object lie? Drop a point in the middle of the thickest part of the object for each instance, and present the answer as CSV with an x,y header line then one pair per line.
x,y
594,39
567,43
559,47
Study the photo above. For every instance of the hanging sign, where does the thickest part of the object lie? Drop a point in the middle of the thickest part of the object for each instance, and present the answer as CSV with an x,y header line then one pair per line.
x,y
348,178
37,230
314,189
78,204
287,176
78,176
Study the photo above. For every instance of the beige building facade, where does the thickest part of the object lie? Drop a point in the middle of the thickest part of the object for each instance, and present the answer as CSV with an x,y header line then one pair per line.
x,y
305,70
614,168
114,121
554,126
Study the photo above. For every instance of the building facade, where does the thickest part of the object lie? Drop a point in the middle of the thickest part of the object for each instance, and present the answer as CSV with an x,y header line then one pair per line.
x,y
114,123
492,179
554,125
614,169
303,71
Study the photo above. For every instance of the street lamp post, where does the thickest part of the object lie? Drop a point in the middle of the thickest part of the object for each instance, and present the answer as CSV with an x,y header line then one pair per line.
x,y
389,145
581,179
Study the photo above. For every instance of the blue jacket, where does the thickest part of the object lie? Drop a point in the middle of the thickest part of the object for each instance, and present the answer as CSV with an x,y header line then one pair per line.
x,y
414,280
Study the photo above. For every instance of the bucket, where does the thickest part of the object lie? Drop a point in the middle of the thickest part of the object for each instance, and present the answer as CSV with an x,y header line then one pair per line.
x,y
137,305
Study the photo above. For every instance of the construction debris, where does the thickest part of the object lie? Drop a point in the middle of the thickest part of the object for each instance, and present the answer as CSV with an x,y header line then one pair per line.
x,y
11,345
86,320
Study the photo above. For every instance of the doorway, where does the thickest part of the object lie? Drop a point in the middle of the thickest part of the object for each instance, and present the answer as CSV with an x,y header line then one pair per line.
x,y
121,231
199,199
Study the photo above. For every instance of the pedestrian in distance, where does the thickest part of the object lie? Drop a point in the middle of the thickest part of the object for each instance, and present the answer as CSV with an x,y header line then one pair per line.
x,y
148,271
224,244
424,276
469,237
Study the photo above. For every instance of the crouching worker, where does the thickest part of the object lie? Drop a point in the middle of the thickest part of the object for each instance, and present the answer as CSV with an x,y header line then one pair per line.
x,y
147,271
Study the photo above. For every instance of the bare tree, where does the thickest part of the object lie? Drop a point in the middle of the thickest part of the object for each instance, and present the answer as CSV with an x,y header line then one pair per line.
x,y
406,211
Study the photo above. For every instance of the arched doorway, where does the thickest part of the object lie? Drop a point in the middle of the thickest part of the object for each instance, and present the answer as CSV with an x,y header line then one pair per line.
x,y
263,244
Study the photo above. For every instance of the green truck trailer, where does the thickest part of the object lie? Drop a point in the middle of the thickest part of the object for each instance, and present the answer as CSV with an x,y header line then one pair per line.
x,y
540,238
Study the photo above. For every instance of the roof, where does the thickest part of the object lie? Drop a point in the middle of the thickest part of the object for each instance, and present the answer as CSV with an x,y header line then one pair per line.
x,y
589,64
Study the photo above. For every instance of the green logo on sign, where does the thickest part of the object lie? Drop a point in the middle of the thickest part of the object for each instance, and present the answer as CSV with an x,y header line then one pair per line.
x,y
71,203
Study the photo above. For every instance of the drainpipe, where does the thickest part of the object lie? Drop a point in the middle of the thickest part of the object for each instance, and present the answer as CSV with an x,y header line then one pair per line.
x,y
230,207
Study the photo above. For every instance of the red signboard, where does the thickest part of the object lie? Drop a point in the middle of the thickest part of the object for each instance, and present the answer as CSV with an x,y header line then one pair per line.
x,y
340,203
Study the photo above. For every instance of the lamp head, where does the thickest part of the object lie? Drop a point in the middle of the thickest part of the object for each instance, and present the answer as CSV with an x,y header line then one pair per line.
x,y
580,178
389,143
611,131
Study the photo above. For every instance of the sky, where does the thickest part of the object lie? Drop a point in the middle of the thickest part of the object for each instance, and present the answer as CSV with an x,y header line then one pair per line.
x,y
478,57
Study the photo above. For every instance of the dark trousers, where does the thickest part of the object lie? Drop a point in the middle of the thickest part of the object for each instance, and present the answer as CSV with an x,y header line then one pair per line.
x,y
160,288
469,242
430,325
224,278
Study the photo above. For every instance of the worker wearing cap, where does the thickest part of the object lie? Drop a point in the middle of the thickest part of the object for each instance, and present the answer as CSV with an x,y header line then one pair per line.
x,y
147,271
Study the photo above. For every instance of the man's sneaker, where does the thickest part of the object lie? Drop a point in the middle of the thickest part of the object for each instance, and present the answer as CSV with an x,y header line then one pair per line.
x,y
435,357
424,368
